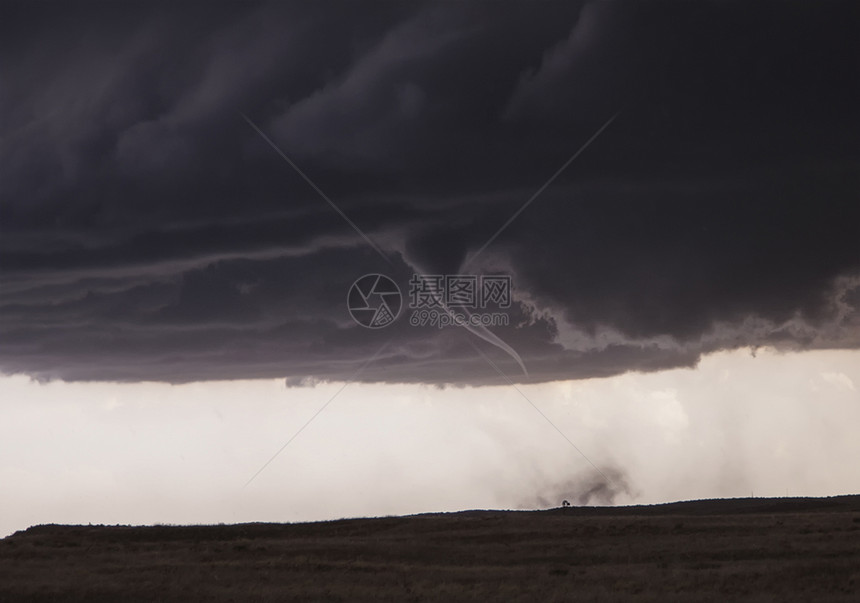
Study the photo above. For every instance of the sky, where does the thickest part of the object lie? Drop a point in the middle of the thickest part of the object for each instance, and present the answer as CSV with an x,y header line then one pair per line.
x,y
191,195
739,425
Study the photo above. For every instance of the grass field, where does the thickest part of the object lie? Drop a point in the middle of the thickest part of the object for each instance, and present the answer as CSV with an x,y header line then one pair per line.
x,y
741,549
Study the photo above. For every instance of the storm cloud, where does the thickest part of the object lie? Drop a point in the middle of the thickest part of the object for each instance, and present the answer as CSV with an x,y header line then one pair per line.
x,y
149,233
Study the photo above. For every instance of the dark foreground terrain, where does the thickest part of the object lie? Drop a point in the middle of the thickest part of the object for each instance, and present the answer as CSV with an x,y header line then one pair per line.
x,y
743,549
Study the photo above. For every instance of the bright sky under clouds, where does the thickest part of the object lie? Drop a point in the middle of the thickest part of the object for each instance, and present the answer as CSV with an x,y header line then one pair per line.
x,y
769,425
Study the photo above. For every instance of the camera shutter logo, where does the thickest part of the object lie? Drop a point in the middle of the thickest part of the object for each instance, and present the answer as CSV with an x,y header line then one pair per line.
x,y
374,301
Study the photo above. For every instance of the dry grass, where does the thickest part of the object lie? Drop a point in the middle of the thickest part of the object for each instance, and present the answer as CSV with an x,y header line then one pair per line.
x,y
751,550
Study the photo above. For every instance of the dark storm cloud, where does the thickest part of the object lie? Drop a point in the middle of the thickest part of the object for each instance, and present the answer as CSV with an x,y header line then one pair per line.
x,y
149,233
